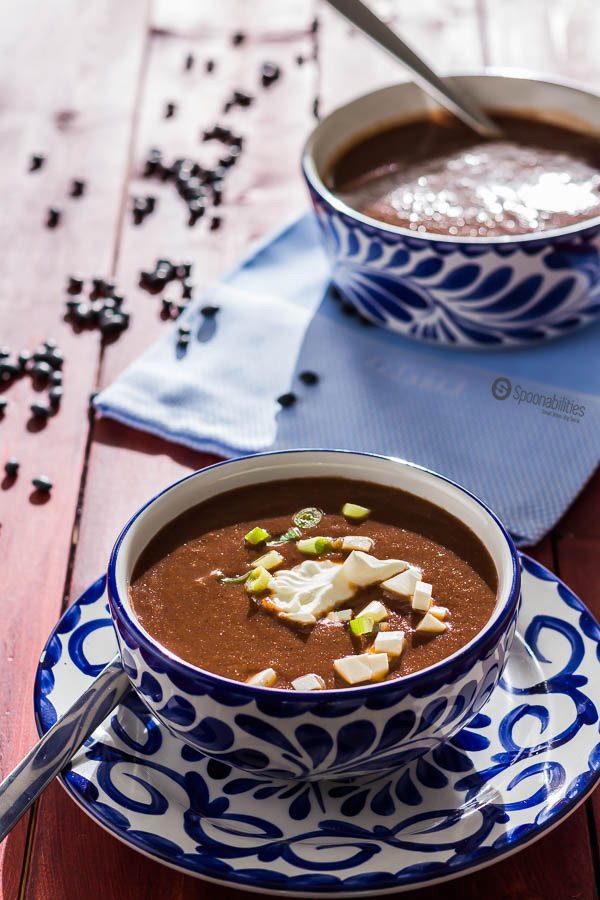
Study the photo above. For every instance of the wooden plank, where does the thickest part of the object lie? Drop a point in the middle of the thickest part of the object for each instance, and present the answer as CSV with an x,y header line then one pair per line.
x,y
68,85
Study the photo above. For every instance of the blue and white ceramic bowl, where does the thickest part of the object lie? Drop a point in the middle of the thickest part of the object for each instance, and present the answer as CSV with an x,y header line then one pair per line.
x,y
331,733
495,292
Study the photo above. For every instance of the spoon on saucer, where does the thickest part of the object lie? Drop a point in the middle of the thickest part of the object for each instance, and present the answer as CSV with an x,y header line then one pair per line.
x,y
52,752
444,92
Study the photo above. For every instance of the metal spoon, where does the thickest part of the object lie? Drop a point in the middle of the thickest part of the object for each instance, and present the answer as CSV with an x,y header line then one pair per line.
x,y
52,753
446,94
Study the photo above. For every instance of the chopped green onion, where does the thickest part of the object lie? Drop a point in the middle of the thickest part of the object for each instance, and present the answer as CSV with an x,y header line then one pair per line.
x,y
362,625
269,561
308,517
258,580
314,546
257,536
292,534
354,511
237,579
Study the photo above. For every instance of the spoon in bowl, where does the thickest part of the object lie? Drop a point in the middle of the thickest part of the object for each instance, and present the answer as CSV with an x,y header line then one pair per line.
x,y
452,98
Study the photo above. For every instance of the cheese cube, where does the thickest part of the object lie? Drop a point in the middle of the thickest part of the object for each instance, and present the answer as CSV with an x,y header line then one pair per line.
x,y
390,642
403,584
378,663
352,670
266,678
440,612
357,542
421,599
374,610
430,625
309,682
340,615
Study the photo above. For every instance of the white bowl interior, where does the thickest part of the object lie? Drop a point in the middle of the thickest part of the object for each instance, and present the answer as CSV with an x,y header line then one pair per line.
x,y
549,100
388,472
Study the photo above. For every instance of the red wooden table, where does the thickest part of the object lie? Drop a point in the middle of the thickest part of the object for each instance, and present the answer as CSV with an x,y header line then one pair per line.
x,y
86,83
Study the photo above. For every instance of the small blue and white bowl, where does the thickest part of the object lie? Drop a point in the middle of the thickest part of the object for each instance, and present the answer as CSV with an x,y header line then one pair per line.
x,y
485,292
320,734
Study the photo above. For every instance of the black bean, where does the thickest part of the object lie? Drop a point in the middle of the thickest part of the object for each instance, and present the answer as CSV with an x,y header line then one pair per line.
x,y
53,217
77,187
314,25
189,62
11,467
3,405
75,285
287,399
118,300
56,378
23,358
209,65
180,307
238,38
56,360
42,483
242,99
150,203
170,109
269,72
167,306
215,223
186,289
36,161
299,60
308,377
99,286
55,396
82,314
4,352
184,270
184,329
40,410
210,311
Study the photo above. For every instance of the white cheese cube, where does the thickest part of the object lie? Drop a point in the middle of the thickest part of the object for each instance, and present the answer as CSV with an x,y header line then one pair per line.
x,y
266,678
404,584
375,610
440,612
390,642
421,599
357,542
300,618
352,670
430,625
378,663
340,615
309,682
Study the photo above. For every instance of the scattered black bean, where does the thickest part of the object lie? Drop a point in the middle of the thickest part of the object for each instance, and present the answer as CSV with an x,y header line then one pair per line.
x,y
40,410
209,65
308,377
299,60
189,62
55,396
56,378
53,217
78,186
170,110
42,483
314,25
287,399
186,289
9,371
269,72
75,285
41,371
215,223
196,209
210,311
23,359
183,330
4,352
167,306
36,161
238,38
11,467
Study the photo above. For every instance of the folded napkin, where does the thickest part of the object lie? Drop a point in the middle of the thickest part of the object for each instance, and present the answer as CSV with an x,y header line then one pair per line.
x,y
526,451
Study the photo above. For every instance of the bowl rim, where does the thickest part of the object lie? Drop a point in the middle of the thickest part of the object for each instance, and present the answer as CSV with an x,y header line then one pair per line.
x,y
312,176
120,610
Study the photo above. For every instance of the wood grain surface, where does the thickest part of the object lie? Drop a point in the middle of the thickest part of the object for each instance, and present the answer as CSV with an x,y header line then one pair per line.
x,y
86,84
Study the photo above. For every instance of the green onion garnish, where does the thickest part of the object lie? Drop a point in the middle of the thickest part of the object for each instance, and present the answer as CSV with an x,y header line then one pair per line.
x,y
269,561
308,517
237,579
314,546
292,534
257,536
354,511
362,625
258,580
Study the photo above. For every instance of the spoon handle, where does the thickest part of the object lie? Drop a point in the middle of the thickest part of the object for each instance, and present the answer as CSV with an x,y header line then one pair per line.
x,y
451,98
52,752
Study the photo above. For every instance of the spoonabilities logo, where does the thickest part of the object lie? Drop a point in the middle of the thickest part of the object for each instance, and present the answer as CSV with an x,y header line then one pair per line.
x,y
501,388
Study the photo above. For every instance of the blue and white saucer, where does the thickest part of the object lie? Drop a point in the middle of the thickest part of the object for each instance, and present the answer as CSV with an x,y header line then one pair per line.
x,y
521,766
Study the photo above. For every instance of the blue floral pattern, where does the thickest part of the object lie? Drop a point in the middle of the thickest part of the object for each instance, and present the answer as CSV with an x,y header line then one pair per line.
x,y
460,294
514,770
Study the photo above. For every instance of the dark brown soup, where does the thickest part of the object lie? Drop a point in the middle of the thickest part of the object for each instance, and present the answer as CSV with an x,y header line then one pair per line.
x,y
179,595
437,175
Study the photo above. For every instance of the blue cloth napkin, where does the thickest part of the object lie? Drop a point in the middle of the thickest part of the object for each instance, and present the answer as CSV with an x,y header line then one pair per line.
x,y
519,428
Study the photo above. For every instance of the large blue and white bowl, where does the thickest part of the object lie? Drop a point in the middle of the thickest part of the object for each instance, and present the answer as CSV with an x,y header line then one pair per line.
x,y
331,733
458,291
